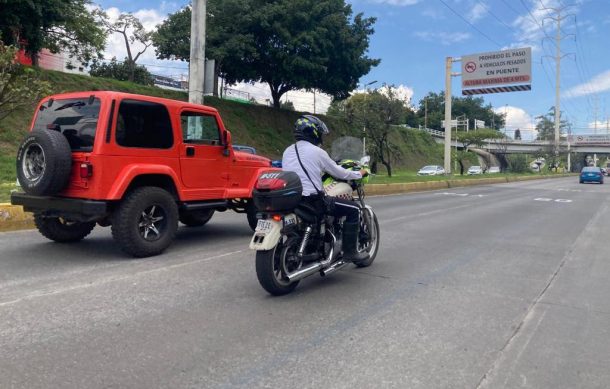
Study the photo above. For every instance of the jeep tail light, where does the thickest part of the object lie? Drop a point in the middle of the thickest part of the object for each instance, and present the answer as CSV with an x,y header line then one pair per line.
x,y
270,184
86,170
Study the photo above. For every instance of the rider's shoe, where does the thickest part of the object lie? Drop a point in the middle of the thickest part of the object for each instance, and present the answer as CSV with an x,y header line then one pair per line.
x,y
350,242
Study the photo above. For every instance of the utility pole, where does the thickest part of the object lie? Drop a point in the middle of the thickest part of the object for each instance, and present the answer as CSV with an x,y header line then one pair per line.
x,y
197,57
558,58
425,113
448,74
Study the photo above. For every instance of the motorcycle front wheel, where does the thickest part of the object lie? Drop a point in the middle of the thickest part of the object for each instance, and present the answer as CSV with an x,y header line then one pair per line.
x,y
272,266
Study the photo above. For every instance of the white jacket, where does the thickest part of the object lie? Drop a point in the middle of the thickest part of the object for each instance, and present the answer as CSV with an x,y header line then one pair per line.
x,y
317,162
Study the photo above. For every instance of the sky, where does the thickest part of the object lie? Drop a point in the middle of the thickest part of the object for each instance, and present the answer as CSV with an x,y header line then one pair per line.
x,y
413,37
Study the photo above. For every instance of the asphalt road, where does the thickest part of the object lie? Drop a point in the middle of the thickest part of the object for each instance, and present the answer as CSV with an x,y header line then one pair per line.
x,y
493,286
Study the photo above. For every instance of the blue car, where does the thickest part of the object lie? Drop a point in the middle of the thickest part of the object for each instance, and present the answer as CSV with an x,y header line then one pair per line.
x,y
591,174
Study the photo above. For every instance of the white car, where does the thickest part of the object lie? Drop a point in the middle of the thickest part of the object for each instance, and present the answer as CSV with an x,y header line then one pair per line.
x,y
431,170
475,170
493,169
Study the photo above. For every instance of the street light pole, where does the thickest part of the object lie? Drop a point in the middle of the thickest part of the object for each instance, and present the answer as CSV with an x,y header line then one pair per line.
x,y
197,55
366,112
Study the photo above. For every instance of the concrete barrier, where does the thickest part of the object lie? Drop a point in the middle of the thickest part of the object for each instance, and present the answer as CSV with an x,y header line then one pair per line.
x,y
12,217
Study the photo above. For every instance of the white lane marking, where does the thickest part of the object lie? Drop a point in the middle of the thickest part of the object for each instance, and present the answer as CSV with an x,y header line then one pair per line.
x,y
546,199
459,194
105,280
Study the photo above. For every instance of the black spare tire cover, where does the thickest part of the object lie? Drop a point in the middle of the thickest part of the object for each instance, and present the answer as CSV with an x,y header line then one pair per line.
x,y
44,162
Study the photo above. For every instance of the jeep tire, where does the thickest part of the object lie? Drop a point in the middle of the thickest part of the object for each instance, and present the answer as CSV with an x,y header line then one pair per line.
x,y
44,162
145,222
62,230
196,218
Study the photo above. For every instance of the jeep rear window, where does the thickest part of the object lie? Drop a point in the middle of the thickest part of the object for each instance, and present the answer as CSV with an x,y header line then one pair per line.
x,y
75,118
144,124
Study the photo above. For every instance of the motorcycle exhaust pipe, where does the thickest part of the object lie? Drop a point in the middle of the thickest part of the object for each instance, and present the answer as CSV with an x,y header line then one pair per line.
x,y
316,267
335,267
304,272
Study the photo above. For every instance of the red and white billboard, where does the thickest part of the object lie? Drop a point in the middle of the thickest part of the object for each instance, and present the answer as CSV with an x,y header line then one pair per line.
x,y
499,71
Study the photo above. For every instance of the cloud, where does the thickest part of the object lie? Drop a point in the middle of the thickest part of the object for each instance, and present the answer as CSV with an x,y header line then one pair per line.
x,y
477,12
601,125
599,83
444,38
518,118
303,101
400,3
433,14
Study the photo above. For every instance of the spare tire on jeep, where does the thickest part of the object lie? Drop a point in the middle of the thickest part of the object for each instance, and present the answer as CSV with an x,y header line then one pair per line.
x,y
44,162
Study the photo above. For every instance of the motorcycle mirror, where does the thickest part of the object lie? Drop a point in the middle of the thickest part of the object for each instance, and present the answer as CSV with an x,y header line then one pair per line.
x,y
365,160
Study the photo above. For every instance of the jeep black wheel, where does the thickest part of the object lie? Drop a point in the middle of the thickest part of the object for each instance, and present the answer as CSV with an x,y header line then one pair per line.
x,y
196,218
44,162
62,230
145,222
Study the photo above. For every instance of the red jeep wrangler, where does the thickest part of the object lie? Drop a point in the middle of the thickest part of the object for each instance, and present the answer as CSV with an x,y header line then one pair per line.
x,y
137,163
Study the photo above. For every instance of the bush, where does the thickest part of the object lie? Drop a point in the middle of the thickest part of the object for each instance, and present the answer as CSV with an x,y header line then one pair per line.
x,y
517,163
121,71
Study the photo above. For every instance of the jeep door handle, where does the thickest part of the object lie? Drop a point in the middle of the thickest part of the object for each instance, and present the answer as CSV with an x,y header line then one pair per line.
x,y
190,151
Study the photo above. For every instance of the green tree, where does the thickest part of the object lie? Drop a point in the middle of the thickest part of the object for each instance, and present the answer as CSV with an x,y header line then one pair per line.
x,y
470,107
52,24
123,71
377,113
546,125
19,85
132,31
287,44
474,138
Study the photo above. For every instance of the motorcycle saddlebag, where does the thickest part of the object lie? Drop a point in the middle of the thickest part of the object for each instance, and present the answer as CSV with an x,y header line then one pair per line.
x,y
277,191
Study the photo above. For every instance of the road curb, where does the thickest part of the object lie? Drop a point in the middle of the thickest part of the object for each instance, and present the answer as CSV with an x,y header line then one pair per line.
x,y
12,217
386,189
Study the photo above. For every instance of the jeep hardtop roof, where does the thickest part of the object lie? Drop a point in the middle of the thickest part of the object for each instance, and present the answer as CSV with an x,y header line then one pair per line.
x,y
122,95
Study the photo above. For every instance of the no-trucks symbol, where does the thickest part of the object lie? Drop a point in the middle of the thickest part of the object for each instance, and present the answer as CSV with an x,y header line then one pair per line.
x,y
470,67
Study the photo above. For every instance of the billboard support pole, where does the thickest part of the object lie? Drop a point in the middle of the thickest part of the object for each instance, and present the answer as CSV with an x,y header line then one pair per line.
x,y
448,63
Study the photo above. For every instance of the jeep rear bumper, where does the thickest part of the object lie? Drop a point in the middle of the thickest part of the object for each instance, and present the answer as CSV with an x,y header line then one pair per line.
x,y
71,208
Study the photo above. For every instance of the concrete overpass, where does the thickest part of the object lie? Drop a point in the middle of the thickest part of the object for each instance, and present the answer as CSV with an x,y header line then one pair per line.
x,y
511,146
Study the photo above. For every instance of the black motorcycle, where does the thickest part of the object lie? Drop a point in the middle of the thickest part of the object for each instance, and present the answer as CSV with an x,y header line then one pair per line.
x,y
295,239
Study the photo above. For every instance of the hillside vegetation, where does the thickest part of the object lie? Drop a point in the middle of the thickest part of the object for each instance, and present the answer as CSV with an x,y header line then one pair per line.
x,y
268,129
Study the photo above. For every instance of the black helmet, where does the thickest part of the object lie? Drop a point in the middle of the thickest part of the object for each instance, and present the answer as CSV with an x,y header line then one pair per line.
x,y
310,128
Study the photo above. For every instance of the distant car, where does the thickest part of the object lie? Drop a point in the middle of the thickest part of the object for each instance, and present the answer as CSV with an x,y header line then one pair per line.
x,y
493,169
245,149
431,170
591,174
474,170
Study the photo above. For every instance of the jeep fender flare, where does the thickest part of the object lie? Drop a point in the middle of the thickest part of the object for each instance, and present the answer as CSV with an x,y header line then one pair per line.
x,y
129,173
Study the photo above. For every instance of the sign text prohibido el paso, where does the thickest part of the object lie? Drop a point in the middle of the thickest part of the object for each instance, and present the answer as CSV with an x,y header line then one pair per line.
x,y
499,71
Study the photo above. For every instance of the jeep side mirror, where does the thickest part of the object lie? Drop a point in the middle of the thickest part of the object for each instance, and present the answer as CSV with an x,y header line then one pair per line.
x,y
226,140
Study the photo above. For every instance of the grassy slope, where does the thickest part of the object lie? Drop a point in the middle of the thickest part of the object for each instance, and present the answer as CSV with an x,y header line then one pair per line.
x,y
267,129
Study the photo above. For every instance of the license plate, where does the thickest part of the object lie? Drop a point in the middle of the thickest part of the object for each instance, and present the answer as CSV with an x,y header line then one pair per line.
x,y
264,226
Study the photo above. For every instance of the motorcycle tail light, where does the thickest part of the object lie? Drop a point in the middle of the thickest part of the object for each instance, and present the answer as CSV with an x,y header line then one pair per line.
x,y
86,170
277,218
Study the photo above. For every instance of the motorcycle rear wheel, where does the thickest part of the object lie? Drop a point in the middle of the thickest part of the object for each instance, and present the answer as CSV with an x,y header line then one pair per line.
x,y
271,267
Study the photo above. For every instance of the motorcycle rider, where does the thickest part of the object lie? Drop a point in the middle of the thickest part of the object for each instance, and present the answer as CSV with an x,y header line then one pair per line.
x,y
310,162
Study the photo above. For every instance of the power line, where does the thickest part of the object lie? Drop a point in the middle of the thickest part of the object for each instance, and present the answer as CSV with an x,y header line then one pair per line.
x,y
488,10
470,24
